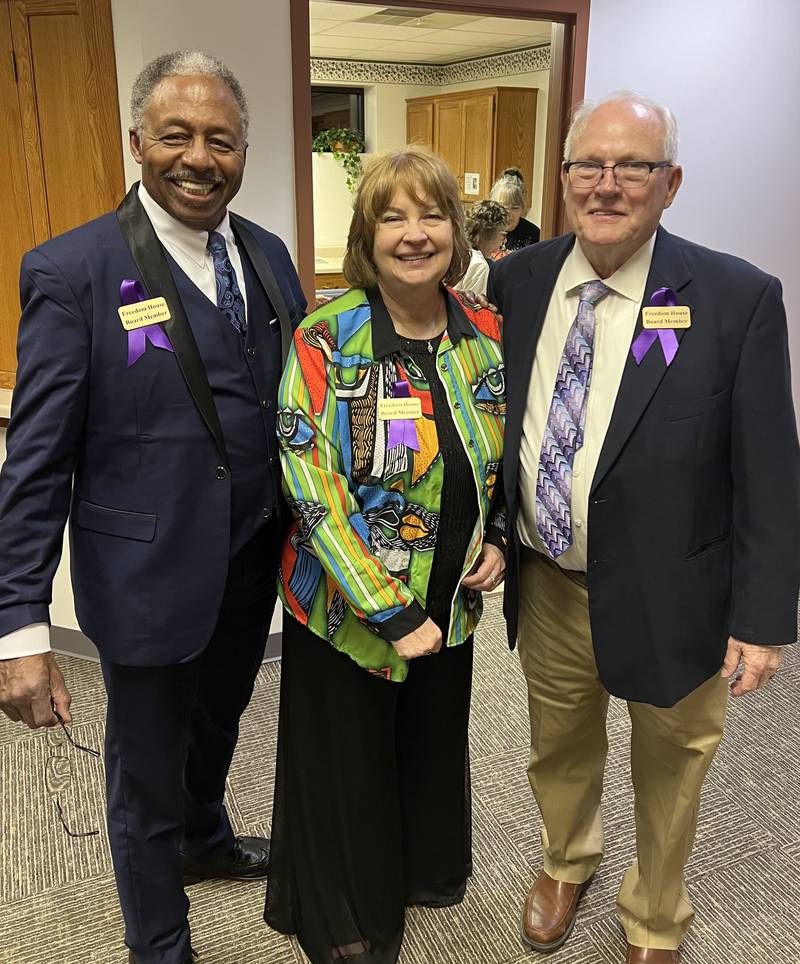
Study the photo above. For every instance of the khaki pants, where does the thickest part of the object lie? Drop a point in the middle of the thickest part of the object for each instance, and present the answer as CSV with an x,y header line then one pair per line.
x,y
671,751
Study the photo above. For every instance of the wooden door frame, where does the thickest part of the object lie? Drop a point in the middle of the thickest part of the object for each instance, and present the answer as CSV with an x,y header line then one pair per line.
x,y
568,53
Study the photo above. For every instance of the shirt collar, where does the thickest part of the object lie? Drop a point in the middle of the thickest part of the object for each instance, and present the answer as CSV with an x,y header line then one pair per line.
x,y
386,341
170,231
629,280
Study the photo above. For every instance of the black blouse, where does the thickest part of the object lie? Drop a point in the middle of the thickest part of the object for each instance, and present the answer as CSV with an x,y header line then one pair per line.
x,y
458,512
524,233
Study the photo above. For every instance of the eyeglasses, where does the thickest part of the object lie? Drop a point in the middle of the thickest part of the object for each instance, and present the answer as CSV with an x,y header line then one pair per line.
x,y
58,772
586,174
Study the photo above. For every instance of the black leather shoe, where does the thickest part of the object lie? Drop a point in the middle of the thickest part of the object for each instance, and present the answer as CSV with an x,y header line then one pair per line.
x,y
189,959
248,860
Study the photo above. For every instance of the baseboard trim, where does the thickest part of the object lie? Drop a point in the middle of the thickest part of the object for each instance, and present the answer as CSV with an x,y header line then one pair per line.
x,y
72,642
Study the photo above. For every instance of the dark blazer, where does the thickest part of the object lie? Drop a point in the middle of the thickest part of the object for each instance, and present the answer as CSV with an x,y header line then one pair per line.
x,y
694,514
135,454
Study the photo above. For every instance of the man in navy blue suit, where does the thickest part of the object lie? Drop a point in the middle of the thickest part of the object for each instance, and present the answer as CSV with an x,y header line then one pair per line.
x,y
652,478
150,349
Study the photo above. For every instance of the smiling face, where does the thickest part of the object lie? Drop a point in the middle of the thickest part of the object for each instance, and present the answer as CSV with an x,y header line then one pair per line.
x,y
413,244
191,149
613,223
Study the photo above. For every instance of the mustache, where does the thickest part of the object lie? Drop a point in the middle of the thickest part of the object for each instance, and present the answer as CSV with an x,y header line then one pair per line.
x,y
193,176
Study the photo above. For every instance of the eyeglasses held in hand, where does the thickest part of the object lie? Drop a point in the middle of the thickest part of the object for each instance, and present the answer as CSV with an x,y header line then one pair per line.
x,y
58,772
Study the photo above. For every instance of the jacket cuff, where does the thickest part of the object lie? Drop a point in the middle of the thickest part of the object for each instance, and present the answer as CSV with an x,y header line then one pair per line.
x,y
402,623
496,537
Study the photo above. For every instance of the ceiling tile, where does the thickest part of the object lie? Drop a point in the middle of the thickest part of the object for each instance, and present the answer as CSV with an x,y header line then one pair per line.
x,y
503,25
377,31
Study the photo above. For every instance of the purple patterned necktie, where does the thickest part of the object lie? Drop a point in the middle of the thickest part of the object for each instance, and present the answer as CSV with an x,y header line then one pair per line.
x,y
229,297
563,435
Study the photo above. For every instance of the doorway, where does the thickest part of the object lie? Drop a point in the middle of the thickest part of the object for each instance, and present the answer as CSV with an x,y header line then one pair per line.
x,y
567,64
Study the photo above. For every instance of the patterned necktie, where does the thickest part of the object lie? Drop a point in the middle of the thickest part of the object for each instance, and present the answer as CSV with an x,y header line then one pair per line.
x,y
563,435
229,297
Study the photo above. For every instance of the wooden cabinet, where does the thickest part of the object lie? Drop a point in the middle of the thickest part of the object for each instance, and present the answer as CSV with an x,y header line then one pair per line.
x,y
477,133
419,124
60,140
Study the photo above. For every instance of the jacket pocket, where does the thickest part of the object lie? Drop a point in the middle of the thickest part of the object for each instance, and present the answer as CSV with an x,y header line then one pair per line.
x,y
140,526
693,407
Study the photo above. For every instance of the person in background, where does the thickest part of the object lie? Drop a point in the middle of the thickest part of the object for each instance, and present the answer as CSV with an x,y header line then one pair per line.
x,y
652,475
391,426
509,190
159,442
486,230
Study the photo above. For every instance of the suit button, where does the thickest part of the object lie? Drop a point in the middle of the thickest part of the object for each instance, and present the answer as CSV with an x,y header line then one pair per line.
x,y
471,443
457,405
221,472
443,366
266,403
251,352
266,513
271,460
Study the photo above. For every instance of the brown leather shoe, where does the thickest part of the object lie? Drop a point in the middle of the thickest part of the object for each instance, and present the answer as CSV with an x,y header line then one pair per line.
x,y
650,955
549,913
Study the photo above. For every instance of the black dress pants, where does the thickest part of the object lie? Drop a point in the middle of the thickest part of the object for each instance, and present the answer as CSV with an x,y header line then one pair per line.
x,y
372,798
170,736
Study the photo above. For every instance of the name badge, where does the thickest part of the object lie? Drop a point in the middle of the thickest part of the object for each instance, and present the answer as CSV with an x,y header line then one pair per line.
x,y
667,316
392,408
143,313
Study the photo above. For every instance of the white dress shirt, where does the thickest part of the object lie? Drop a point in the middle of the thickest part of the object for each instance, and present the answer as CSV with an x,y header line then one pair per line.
x,y
188,247
615,322
477,277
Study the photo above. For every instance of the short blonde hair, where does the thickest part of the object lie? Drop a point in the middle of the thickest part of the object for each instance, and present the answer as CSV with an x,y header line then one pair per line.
x,y
422,176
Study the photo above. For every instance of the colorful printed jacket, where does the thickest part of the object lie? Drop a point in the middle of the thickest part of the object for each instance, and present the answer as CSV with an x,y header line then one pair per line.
x,y
356,563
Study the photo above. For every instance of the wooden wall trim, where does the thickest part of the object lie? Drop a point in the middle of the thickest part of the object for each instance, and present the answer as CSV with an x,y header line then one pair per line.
x,y
574,14
301,104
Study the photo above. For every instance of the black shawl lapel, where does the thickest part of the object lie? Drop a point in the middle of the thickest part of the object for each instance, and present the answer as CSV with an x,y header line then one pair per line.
x,y
269,282
667,270
531,298
149,256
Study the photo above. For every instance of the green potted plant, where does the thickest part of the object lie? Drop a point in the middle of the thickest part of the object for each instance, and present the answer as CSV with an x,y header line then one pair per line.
x,y
346,145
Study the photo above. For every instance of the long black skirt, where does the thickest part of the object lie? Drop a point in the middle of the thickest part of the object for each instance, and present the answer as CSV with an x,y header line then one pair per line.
x,y
372,807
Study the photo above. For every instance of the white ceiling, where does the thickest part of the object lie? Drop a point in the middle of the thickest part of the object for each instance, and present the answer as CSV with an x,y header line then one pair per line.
x,y
355,31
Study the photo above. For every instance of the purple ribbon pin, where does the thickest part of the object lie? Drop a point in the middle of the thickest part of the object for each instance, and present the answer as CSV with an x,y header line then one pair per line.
x,y
402,431
662,297
130,293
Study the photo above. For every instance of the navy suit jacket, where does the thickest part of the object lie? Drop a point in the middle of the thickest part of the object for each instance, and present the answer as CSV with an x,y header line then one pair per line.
x,y
694,509
134,454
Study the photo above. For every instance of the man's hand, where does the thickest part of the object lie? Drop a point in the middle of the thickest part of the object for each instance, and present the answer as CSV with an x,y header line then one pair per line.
x,y
488,571
759,664
422,642
32,690
473,300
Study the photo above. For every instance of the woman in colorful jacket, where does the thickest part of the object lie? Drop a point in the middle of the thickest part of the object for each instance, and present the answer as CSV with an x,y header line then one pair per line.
x,y
391,427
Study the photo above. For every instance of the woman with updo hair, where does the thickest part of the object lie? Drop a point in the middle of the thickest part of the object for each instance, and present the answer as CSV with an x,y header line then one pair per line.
x,y
486,231
509,190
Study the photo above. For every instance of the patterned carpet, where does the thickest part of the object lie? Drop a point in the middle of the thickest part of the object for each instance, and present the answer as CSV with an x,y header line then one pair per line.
x,y
57,898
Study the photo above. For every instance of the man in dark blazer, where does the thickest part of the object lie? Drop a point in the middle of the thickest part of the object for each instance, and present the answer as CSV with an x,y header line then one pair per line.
x,y
153,426
653,488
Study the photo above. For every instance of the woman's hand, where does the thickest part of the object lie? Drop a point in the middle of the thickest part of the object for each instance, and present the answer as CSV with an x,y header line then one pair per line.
x,y
422,642
488,571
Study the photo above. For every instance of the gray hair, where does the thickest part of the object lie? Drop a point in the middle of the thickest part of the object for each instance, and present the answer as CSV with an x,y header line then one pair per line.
x,y
509,189
183,63
586,108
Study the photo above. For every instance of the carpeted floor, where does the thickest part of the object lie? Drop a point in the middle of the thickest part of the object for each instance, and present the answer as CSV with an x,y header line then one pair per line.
x,y
57,898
